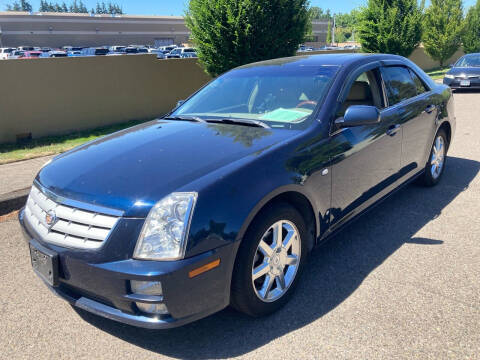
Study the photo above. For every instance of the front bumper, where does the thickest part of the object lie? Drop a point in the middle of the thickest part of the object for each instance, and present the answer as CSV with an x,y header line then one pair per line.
x,y
455,83
103,287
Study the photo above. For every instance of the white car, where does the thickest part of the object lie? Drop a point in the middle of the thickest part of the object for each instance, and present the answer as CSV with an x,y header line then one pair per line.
x,y
16,54
5,52
117,49
179,52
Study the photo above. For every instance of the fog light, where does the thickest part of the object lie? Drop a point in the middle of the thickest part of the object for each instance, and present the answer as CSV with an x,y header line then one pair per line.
x,y
153,288
160,309
146,287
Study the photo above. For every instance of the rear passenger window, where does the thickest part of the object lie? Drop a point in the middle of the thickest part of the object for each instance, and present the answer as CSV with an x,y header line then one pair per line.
x,y
399,84
418,83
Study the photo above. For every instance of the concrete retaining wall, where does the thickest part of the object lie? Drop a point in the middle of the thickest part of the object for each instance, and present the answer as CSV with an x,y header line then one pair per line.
x,y
60,95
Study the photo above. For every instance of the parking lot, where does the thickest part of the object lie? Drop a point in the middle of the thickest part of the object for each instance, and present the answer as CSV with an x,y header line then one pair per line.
x,y
401,282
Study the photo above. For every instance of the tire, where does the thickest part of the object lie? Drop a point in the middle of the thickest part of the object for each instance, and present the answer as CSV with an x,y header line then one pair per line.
x,y
432,174
247,294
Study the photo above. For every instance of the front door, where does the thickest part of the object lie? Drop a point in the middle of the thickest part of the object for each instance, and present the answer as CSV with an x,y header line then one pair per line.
x,y
366,159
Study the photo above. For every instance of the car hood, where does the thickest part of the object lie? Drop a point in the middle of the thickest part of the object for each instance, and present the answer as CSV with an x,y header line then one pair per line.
x,y
133,169
464,70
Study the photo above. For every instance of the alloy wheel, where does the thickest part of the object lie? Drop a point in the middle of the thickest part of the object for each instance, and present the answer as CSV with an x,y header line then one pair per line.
x,y
438,157
276,261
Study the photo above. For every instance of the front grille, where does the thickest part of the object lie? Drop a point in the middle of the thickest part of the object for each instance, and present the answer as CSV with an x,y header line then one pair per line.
x,y
72,228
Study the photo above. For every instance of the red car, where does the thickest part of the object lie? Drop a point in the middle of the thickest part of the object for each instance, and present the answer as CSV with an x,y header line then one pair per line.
x,y
31,55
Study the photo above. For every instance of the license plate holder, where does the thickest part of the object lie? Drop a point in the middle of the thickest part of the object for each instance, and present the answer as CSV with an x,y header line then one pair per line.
x,y
464,82
44,263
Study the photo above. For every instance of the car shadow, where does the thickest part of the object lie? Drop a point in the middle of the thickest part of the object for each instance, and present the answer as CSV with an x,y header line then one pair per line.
x,y
334,271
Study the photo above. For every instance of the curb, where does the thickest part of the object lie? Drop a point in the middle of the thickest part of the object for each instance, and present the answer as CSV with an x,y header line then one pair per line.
x,y
13,201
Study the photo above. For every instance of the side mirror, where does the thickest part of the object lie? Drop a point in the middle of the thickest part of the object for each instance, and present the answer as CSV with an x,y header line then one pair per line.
x,y
451,65
358,115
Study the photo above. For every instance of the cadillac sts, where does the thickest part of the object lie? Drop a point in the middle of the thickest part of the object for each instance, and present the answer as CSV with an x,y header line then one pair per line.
x,y
220,201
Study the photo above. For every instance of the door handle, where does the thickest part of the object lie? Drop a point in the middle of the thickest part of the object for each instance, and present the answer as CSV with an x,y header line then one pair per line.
x,y
430,108
392,130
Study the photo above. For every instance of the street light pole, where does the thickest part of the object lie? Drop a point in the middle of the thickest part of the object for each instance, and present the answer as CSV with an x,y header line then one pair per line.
x,y
333,31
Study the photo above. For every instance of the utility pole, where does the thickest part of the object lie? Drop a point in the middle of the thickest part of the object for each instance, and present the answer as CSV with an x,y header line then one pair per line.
x,y
333,31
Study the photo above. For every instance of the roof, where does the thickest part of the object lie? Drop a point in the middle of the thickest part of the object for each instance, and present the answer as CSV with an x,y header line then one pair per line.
x,y
325,59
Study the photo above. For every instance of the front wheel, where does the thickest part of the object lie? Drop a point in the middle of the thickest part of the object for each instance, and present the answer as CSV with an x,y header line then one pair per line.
x,y
269,261
436,162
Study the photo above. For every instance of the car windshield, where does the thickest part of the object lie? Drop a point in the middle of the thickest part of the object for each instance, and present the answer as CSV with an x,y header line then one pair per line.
x,y
469,61
282,96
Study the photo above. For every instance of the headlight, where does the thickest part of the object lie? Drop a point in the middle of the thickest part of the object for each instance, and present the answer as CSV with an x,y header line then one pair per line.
x,y
164,234
449,76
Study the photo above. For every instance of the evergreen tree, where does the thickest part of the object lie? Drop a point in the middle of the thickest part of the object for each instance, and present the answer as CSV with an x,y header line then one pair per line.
x,y
21,5
43,6
471,33
229,33
442,30
26,6
390,26
74,7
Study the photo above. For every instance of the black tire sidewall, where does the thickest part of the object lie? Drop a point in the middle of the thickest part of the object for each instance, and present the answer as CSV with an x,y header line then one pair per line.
x,y
243,296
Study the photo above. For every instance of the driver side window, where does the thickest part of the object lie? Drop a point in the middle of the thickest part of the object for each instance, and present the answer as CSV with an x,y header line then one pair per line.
x,y
365,90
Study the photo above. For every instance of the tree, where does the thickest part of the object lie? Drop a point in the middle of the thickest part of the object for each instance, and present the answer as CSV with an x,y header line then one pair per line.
x,y
82,9
390,26
229,33
21,5
317,13
471,30
329,33
442,30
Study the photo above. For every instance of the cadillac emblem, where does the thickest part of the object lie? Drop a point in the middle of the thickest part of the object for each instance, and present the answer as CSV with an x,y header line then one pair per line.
x,y
50,218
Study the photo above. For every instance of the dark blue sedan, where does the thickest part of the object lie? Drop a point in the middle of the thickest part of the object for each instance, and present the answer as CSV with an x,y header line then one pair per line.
x,y
465,73
221,201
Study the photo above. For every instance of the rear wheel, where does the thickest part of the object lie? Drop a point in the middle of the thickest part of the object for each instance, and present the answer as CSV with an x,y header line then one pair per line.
x,y
269,261
436,162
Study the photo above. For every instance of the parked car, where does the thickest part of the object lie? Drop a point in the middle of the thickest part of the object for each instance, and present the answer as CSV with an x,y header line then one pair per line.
x,y
26,48
117,49
158,52
220,201
4,52
189,55
16,54
94,51
31,55
465,73
131,50
57,53
46,49
168,48
179,52
74,53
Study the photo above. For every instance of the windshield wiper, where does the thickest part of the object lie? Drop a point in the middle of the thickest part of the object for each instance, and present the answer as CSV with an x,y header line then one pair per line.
x,y
185,118
244,122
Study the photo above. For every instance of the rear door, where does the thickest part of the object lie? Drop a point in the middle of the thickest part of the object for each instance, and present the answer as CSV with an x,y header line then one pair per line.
x,y
417,112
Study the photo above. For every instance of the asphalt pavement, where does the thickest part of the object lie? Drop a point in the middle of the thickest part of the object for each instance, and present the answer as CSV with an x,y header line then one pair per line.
x,y
401,282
